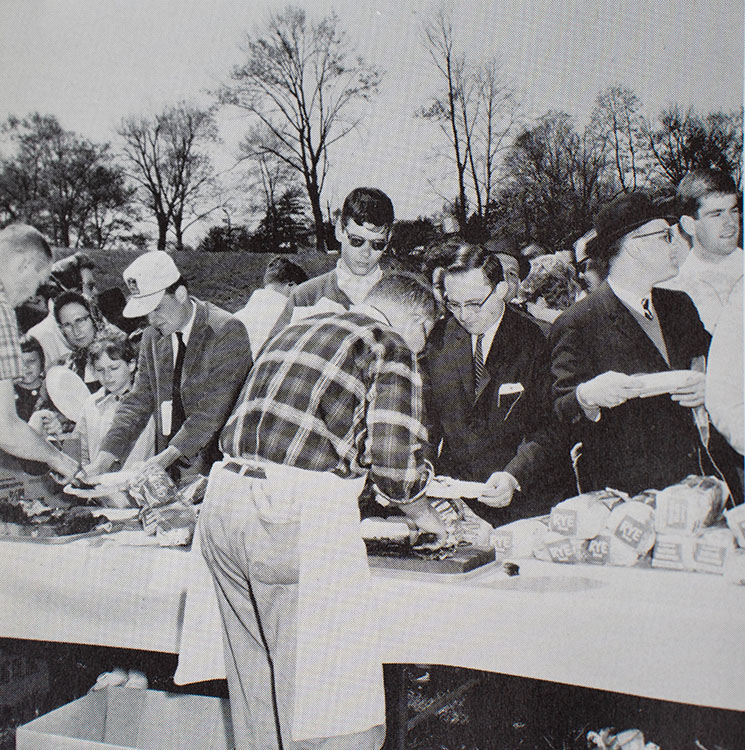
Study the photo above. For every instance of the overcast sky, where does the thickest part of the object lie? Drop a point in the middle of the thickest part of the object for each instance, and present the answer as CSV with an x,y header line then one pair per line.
x,y
92,62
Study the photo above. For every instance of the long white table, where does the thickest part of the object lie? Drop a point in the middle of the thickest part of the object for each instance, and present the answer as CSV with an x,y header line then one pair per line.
x,y
661,634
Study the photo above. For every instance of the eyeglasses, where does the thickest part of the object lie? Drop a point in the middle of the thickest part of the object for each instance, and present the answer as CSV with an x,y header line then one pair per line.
x,y
471,307
669,235
77,323
357,241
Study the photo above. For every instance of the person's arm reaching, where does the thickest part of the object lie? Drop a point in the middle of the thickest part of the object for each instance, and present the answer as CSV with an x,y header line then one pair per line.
x,y
20,440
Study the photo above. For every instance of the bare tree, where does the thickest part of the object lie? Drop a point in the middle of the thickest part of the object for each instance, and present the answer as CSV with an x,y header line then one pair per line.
x,y
682,141
301,81
69,187
556,182
169,162
451,109
617,121
497,117
268,177
476,112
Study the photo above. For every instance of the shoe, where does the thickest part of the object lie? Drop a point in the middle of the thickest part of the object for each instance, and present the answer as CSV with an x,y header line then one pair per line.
x,y
137,680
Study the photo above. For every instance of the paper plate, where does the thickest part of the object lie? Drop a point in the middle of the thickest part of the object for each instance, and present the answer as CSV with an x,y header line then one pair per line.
x,y
449,488
106,485
67,391
658,383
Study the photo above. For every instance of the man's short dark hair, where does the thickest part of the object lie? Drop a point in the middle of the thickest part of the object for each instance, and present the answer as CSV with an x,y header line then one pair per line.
x,y
455,255
30,344
180,281
697,185
69,297
283,271
407,289
367,205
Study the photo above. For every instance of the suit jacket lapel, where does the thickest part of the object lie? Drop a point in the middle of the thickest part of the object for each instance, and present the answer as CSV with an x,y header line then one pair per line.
x,y
463,353
626,328
665,315
196,339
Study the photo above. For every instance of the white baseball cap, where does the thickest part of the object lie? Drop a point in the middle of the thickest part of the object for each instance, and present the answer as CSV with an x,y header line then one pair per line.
x,y
147,279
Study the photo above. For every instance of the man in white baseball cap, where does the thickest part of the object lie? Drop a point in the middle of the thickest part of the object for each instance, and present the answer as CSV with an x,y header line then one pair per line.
x,y
147,279
193,360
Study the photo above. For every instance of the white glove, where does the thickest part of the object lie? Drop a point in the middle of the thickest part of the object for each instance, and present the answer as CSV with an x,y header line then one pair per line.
x,y
606,390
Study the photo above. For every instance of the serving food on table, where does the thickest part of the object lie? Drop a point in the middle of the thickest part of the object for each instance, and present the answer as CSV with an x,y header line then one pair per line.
x,y
480,440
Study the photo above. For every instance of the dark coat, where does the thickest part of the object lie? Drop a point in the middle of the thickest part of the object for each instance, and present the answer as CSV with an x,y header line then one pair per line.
x,y
493,433
643,443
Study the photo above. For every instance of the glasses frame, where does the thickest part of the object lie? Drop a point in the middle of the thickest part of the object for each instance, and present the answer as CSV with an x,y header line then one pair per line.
x,y
669,235
378,246
76,324
472,307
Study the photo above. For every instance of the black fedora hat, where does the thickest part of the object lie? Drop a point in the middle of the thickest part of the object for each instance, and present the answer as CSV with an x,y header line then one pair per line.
x,y
624,214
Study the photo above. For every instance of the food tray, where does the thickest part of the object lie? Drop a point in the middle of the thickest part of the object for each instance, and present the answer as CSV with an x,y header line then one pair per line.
x,y
463,560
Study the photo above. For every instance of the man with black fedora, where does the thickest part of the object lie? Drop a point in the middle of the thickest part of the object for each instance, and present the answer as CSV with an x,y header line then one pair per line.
x,y
632,439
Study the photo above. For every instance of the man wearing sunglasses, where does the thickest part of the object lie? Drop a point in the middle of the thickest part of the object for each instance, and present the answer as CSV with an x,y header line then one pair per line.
x,y
632,439
364,230
487,366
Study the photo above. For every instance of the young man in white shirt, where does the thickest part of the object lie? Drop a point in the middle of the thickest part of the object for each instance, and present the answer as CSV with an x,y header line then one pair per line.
x,y
709,209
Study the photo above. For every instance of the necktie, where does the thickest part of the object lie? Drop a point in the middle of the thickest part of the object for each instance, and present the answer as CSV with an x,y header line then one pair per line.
x,y
479,371
178,417
647,307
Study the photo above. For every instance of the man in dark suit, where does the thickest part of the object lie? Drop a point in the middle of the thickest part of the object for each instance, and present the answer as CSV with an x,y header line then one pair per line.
x,y
488,387
624,328
194,358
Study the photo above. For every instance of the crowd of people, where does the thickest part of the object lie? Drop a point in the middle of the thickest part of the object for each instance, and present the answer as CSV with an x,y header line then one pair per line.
x,y
377,376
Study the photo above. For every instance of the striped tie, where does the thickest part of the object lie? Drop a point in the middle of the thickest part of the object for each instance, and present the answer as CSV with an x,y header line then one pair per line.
x,y
479,371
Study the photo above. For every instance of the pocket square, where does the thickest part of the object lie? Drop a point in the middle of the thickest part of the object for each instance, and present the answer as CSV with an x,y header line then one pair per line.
x,y
511,392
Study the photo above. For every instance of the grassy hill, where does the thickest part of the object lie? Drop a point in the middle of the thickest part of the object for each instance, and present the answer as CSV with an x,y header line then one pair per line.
x,y
227,279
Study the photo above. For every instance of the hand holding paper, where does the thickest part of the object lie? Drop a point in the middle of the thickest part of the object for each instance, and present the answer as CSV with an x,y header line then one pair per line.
x,y
500,487
607,390
691,394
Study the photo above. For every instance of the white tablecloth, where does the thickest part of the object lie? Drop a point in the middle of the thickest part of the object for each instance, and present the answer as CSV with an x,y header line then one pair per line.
x,y
661,634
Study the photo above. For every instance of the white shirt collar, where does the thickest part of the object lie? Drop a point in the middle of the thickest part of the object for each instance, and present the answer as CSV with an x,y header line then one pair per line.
x,y
728,268
185,331
356,287
631,299
489,334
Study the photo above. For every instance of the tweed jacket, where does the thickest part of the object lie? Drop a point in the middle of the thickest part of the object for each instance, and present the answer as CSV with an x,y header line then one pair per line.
x,y
217,361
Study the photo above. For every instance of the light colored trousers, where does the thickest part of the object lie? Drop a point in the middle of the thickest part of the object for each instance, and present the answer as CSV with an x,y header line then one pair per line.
x,y
254,564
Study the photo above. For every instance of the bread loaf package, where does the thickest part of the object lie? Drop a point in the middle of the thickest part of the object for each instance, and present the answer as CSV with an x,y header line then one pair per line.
x,y
519,539
711,549
736,522
153,487
631,530
690,506
585,515
673,551
561,549
734,567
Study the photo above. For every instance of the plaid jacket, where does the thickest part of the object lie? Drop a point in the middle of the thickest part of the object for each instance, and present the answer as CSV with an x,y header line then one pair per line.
x,y
339,393
11,362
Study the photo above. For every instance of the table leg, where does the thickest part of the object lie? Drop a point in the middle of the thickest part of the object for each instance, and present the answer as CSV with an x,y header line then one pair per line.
x,y
395,706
